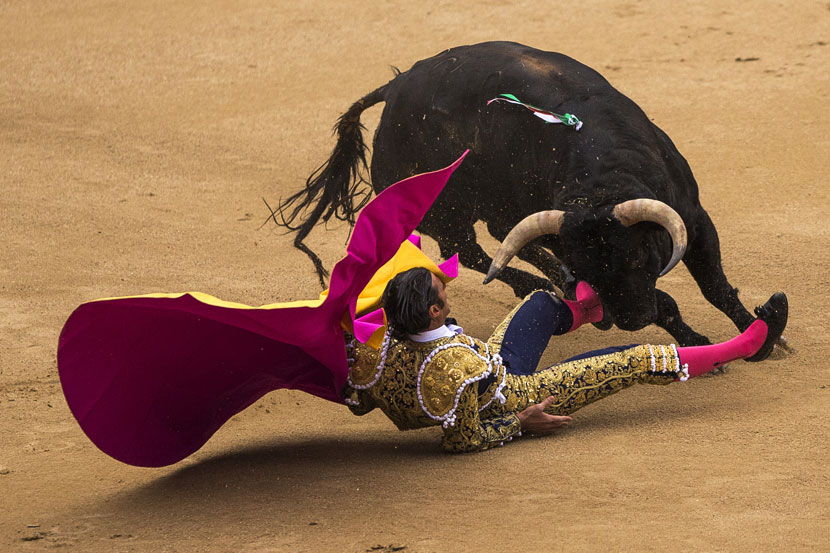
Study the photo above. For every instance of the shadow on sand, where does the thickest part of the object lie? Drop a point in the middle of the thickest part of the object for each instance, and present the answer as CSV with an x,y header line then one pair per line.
x,y
289,473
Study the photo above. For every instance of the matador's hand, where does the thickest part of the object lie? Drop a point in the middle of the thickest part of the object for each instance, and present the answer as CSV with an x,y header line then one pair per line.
x,y
536,421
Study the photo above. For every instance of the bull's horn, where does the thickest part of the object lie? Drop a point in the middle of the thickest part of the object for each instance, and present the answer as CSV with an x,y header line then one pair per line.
x,y
655,211
531,227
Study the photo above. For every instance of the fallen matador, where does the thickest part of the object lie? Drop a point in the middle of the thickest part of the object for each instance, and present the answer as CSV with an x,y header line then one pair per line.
x,y
485,393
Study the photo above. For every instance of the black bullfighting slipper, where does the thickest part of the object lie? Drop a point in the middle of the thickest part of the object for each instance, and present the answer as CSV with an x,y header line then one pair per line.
x,y
774,313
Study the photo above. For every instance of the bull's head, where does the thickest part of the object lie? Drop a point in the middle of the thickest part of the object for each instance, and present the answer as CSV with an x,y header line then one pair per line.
x,y
620,258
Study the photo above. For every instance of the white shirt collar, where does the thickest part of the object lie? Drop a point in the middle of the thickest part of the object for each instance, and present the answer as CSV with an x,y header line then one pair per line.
x,y
440,332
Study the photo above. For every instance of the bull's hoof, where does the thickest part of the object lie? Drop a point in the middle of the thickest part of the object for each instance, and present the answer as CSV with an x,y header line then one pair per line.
x,y
604,324
774,313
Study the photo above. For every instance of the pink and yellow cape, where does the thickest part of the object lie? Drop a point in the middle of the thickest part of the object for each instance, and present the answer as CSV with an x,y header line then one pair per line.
x,y
151,378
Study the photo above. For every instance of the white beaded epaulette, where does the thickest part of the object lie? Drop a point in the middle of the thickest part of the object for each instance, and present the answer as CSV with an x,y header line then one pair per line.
x,y
494,362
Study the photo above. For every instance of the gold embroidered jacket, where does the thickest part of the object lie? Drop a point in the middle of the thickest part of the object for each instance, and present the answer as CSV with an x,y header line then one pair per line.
x,y
422,384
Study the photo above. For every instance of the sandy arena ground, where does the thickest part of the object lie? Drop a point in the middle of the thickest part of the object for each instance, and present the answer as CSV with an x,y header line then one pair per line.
x,y
137,143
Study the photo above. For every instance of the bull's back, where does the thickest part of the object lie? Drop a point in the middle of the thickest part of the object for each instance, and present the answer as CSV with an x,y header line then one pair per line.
x,y
465,77
438,108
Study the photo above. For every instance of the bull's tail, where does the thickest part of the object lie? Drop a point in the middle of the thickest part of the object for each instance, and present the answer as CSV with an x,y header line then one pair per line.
x,y
338,187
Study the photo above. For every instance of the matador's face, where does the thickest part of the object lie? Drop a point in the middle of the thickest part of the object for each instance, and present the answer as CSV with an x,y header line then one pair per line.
x,y
437,312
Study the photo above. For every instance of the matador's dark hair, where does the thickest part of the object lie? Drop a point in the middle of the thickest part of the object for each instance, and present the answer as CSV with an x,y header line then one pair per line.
x,y
406,302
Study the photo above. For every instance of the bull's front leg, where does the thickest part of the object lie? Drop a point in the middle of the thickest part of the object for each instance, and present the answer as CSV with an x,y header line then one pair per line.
x,y
703,260
669,319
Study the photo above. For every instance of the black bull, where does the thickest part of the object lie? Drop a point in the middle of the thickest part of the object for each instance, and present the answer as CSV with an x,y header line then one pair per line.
x,y
519,165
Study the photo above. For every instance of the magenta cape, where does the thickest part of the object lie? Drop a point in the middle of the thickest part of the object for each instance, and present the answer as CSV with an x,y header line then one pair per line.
x,y
150,379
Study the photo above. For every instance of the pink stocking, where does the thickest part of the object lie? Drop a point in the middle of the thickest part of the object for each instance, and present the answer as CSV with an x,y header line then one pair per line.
x,y
702,359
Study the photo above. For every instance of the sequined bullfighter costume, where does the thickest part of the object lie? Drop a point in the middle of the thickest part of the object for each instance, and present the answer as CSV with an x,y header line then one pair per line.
x,y
464,384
